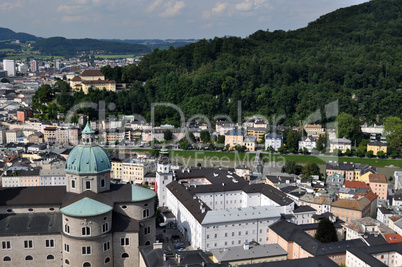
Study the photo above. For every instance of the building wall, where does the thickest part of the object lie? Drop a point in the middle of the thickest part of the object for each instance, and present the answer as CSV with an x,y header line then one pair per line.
x,y
39,251
376,149
131,249
381,189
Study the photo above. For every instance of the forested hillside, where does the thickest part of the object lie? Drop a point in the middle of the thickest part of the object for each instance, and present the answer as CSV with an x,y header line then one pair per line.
x,y
70,47
353,54
7,34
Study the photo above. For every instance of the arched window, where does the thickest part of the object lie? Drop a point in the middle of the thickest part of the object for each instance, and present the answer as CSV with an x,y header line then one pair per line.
x,y
28,258
147,243
107,260
86,264
124,255
50,257
6,258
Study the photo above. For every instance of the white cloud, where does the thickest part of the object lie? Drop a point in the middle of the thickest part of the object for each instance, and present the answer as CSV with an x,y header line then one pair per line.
x,y
220,7
8,6
251,4
172,8
69,9
154,5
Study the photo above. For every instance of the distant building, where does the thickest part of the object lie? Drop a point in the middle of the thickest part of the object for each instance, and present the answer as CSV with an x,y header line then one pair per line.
x,y
379,185
234,138
308,143
92,79
9,66
341,144
376,147
273,140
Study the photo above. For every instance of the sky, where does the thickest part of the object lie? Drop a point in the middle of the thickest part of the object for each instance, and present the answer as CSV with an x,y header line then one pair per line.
x,y
160,19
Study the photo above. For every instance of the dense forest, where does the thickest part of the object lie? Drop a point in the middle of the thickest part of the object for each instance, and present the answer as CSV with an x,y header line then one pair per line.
x,y
352,55
70,47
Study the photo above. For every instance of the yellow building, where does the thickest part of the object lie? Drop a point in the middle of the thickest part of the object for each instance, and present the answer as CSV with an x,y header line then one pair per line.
x,y
257,132
92,79
234,137
376,147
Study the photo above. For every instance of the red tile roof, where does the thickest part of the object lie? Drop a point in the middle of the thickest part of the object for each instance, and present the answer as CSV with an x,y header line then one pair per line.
x,y
76,79
393,238
357,184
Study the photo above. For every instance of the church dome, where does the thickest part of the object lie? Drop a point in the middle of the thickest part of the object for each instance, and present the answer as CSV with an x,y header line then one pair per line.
x,y
87,159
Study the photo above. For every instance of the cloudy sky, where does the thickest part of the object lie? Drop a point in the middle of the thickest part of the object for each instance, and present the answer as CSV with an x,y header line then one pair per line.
x,y
160,19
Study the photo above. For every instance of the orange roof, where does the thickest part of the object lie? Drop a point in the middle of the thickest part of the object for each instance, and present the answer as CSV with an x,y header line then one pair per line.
x,y
393,238
357,184
395,218
377,178
371,196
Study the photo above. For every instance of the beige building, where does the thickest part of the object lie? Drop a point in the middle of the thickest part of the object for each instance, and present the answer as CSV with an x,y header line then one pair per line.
x,y
92,79
12,135
341,144
134,170
234,138
49,134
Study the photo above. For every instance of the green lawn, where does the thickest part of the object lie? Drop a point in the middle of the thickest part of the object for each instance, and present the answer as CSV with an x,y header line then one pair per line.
x,y
277,157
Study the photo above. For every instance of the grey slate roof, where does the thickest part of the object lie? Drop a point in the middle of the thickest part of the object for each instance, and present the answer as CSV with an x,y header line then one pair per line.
x,y
254,252
292,232
366,257
30,224
318,261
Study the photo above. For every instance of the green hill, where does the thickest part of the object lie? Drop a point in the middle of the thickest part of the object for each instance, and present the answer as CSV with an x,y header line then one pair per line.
x,y
7,34
353,55
71,47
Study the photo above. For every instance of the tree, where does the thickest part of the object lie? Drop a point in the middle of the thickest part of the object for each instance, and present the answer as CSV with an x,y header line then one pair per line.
x,y
205,136
349,127
291,138
292,167
348,152
370,154
321,142
167,135
381,154
282,150
5,80
310,169
326,232
363,145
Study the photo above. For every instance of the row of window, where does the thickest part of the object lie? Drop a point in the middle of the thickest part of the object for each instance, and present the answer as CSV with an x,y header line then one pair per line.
x,y
240,233
29,258
88,184
86,231
49,243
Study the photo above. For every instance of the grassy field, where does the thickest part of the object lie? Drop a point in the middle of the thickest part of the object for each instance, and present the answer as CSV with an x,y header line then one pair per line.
x,y
114,56
231,156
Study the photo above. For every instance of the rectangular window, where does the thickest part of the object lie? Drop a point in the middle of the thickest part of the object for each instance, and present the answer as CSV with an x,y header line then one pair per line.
x,y
72,184
105,227
66,248
28,244
86,231
147,230
86,250
106,246
50,243
88,185
6,244
66,228
124,241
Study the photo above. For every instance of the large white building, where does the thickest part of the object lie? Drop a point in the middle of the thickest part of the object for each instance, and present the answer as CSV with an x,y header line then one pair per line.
x,y
9,66
215,208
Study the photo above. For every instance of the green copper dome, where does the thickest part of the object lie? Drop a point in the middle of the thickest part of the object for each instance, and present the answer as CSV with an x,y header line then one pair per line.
x,y
87,159
86,207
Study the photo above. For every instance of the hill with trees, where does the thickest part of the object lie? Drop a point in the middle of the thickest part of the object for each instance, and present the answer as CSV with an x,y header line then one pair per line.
x,y
71,47
7,34
352,55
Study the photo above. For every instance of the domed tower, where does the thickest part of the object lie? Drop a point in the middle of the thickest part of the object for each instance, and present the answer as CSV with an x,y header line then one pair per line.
x,y
88,166
164,175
